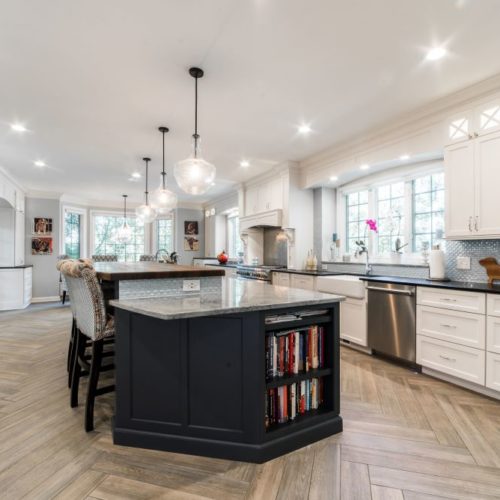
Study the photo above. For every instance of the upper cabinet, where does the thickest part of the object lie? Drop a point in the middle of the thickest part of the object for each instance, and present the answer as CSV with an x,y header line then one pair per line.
x,y
472,176
267,195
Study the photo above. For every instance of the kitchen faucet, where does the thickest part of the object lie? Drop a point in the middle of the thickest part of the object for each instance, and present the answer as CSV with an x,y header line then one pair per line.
x,y
364,250
160,250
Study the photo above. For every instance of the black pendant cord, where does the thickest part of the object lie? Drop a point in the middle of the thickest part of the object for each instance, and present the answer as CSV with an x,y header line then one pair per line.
x,y
196,136
147,160
125,208
163,163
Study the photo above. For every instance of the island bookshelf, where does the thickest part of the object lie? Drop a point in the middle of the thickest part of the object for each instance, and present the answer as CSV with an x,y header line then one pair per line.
x,y
198,385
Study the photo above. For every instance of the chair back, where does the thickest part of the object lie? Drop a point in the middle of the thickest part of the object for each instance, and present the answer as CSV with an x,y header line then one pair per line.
x,y
105,258
64,286
86,297
147,258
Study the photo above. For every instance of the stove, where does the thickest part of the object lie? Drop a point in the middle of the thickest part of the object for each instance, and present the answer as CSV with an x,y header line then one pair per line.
x,y
260,273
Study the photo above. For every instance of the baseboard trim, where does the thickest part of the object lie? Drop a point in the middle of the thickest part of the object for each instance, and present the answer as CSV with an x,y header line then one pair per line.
x,y
37,300
485,391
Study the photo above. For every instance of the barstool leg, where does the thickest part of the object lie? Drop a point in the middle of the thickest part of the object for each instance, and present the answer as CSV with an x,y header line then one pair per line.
x,y
71,352
95,369
77,369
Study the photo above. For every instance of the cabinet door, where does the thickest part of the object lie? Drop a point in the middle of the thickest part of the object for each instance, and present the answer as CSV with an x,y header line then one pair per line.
x,y
275,190
252,200
487,182
264,197
281,279
353,321
487,117
493,371
493,334
19,239
459,192
459,127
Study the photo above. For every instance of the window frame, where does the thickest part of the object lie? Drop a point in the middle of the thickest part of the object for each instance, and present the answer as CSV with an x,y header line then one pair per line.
x,y
116,213
82,212
154,232
233,214
371,183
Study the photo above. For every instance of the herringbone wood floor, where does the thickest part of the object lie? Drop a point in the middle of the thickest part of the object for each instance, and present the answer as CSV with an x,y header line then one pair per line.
x,y
406,436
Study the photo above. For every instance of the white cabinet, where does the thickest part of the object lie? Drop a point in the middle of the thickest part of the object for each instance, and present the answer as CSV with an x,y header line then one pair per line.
x,y
303,281
460,361
15,288
472,174
493,371
353,321
493,304
265,196
474,302
281,279
493,334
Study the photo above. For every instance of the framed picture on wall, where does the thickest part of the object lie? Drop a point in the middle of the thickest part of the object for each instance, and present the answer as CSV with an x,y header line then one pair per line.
x,y
191,227
191,244
42,225
41,246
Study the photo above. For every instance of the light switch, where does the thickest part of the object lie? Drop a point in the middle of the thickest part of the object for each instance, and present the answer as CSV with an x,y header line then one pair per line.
x,y
463,262
191,285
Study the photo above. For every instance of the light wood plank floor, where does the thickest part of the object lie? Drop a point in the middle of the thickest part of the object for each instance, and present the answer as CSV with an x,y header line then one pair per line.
x,y
406,436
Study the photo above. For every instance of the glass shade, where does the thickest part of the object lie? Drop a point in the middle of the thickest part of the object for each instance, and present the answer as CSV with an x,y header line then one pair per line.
x,y
194,175
164,200
146,213
123,233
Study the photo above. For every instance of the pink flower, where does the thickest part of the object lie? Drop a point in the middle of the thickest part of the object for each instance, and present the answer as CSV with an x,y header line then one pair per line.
x,y
372,224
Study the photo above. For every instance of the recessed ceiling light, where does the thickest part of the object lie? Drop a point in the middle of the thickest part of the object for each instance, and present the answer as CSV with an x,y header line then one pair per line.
x,y
365,166
212,184
18,127
136,175
244,163
435,53
39,163
304,129
334,178
404,157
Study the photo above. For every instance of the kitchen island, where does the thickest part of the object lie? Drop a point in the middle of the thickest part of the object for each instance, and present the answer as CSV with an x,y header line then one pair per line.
x,y
249,373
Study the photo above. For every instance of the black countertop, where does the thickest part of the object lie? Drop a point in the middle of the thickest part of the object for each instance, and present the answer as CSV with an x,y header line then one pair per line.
x,y
450,285
24,266
318,272
216,264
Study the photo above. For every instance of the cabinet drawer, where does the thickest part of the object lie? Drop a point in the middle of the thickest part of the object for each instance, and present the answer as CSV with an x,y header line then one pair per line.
x,y
493,304
353,321
474,302
302,281
460,361
493,371
453,326
493,334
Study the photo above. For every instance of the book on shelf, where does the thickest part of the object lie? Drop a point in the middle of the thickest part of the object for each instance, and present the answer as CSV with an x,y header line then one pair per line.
x,y
292,352
286,402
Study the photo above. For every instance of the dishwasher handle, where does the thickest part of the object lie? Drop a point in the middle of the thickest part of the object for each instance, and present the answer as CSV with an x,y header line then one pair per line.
x,y
391,290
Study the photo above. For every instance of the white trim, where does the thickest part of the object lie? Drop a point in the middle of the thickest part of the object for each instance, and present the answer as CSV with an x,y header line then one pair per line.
x,y
115,213
53,298
83,228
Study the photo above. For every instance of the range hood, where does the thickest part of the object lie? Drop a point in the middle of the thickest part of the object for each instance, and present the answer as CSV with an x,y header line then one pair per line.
x,y
271,218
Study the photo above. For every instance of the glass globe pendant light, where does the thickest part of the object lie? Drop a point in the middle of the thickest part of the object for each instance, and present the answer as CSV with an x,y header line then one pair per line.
x,y
164,200
124,233
146,212
194,174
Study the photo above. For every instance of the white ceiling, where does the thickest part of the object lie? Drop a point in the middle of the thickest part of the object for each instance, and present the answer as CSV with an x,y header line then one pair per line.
x,y
93,80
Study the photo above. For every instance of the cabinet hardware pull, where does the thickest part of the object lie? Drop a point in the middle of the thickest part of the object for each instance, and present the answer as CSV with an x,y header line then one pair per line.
x,y
476,134
448,326
470,136
447,358
447,299
470,223
476,223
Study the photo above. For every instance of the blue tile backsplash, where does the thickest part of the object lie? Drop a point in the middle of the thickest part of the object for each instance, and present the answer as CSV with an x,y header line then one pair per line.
x,y
475,249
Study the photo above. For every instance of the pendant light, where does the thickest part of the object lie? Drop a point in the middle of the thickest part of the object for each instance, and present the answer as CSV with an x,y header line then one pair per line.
x,y
195,175
164,200
124,233
146,212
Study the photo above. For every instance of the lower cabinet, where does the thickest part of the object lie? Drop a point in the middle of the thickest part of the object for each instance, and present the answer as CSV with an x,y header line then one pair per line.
x,y
302,281
460,361
15,288
493,371
281,279
493,334
353,321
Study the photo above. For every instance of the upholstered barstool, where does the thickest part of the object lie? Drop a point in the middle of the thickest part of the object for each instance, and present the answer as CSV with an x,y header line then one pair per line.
x,y
105,258
92,324
147,258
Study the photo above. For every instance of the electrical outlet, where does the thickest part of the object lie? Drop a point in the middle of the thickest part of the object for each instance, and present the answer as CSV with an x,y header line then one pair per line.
x,y
191,285
463,262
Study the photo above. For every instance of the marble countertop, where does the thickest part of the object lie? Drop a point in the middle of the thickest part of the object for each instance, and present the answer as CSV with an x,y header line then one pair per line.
x,y
450,285
236,296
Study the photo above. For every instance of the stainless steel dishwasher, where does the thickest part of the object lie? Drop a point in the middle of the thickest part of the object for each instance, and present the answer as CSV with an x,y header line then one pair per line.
x,y
391,320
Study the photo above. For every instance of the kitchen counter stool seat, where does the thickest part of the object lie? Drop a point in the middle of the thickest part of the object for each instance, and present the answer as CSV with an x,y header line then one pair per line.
x,y
93,325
